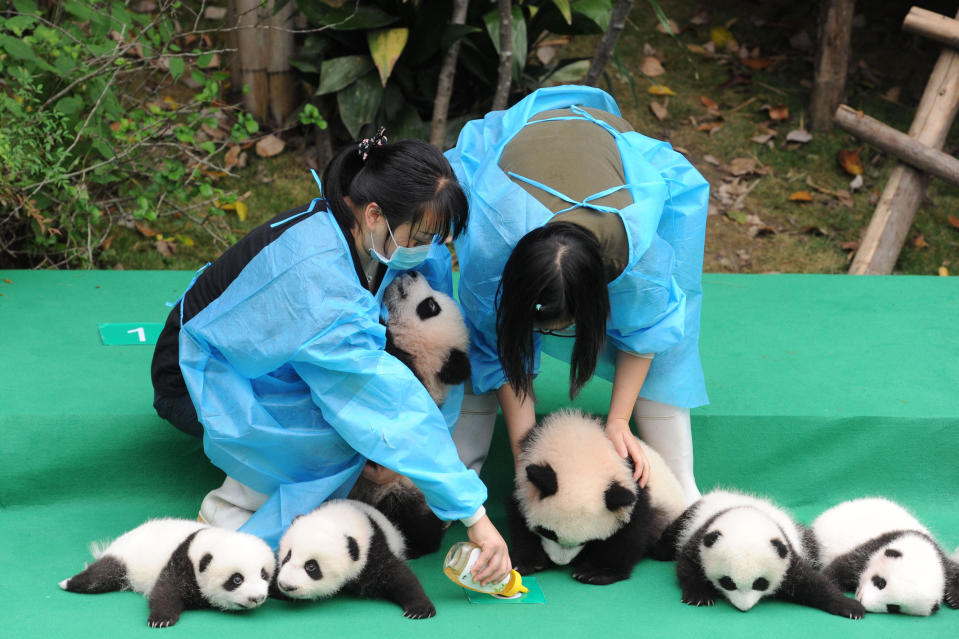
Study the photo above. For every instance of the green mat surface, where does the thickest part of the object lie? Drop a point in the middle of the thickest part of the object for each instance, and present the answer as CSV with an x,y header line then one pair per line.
x,y
823,388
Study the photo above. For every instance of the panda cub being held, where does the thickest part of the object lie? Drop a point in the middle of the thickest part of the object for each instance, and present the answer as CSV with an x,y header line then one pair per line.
x,y
181,564
346,545
877,549
746,548
425,331
576,502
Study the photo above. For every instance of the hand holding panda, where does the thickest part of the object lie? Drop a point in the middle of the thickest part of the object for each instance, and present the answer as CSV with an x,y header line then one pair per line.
x,y
181,564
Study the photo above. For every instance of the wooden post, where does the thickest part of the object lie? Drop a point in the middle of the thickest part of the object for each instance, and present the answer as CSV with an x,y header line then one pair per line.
x,y
444,85
832,60
262,58
933,26
897,207
504,75
907,149
608,42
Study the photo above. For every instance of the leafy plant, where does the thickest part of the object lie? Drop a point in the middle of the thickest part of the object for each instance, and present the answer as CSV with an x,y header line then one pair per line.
x,y
377,61
107,116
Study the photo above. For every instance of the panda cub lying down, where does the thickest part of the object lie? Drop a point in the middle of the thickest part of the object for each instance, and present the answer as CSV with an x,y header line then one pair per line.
x,y
425,331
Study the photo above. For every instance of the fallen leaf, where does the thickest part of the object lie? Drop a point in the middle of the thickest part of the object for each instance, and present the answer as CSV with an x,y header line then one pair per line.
x,y
845,198
145,230
698,49
648,49
710,127
742,166
659,110
757,64
850,162
709,104
166,248
953,220
237,206
943,271
801,196
920,241
700,17
736,79
711,159
664,29
892,95
813,230
660,89
232,156
651,67
763,139
849,246
721,37
270,146
777,113
798,135
856,183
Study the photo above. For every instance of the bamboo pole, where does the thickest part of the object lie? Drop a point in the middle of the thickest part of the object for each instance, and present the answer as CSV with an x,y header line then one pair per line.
x,y
444,85
281,84
832,60
907,149
900,200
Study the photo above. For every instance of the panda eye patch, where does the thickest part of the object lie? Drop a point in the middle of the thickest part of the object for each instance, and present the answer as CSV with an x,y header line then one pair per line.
x,y
234,582
761,584
264,575
727,583
878,582
427,308
546,532
313,570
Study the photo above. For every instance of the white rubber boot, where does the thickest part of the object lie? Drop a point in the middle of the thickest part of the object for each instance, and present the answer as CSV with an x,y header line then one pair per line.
x,y
667,429
230,505
474,428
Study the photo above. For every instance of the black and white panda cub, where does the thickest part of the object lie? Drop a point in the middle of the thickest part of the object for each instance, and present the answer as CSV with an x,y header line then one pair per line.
x,y
181,564
877,549
576,502
346,545
746,548
425,331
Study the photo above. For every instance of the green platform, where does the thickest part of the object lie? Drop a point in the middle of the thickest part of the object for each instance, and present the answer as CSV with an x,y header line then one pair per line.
x,y
822,388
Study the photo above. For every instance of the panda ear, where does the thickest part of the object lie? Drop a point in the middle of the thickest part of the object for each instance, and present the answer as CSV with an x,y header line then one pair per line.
x,y
456,368
204,562
428,308
353,548
711,538
543,477
618,496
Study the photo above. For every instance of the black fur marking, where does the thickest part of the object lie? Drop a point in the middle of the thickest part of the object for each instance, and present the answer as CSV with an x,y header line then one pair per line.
x,y
353,548
234,582
710,539
665,548
546,532
761,584
456,368
935,608
727,584
204,562
544,478
526,549
780,547
618,496
176,589
313,570
428,308
893,609
289,555
804,585
844,570
400,354
892,552
408,511
878,582
106,574
386,576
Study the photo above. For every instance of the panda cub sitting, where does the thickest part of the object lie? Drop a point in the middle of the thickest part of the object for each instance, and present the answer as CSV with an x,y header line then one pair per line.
x,y
425,331
346,545
576,502
746,548
181,564
876,549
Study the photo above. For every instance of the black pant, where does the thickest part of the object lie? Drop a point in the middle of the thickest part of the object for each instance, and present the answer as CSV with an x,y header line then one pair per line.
x,y
180,412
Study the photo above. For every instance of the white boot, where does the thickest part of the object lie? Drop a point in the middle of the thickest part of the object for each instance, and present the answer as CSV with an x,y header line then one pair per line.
x,y
667,429
474,428
230,505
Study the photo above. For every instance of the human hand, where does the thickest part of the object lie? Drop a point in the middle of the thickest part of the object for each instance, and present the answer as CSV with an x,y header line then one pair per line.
x,y
618,432
378,474
493,563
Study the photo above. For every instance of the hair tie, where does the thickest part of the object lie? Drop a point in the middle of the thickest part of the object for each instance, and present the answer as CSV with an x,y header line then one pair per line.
x,y
539,307
379,139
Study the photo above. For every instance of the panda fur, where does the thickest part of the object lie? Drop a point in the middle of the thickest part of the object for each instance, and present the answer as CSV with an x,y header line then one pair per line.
x,y
746,548
425,331
576,502
180,564
346,545
875,547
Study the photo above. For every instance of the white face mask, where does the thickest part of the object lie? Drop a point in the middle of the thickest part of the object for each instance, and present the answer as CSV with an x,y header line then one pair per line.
x,y
403,258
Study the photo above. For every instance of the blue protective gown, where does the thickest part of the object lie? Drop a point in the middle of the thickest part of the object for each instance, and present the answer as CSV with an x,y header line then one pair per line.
x,y
655,303
294,390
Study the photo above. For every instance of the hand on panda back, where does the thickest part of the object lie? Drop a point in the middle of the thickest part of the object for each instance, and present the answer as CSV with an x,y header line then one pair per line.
x,y
618,432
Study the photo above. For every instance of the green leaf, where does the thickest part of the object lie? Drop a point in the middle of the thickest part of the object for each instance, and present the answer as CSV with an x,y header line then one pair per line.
x,y
177,67
386,46
17,48
359,102
455,33
26,6
563,6
519,38
347,18
208,146
19,24
103,148
78,10
572,73
598,11
203,60
338,73
68,105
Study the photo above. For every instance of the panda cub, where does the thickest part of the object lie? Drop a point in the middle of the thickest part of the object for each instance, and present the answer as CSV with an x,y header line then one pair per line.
x,y
181,564
874,547
746,548
425,331
346,545
576,502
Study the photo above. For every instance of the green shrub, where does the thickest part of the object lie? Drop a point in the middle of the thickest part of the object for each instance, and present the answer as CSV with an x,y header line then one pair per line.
x,y
99,126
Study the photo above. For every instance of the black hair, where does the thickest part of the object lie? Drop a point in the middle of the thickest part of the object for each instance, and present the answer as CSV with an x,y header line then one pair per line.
x,y
554,274
410,180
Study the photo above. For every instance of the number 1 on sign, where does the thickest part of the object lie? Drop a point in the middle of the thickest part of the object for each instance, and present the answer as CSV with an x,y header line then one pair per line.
x,y
141,334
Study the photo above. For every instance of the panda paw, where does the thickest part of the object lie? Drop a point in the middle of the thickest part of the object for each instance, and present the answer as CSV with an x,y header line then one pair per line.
x,y
421,611
697,599
597,577
528,569
160,622
849,608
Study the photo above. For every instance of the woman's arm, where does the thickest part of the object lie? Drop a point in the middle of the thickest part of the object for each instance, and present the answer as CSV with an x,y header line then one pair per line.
x,y
519,414
628,380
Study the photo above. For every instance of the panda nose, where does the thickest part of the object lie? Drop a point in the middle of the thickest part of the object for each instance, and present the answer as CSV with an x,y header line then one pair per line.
x,y
287,588
256,601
